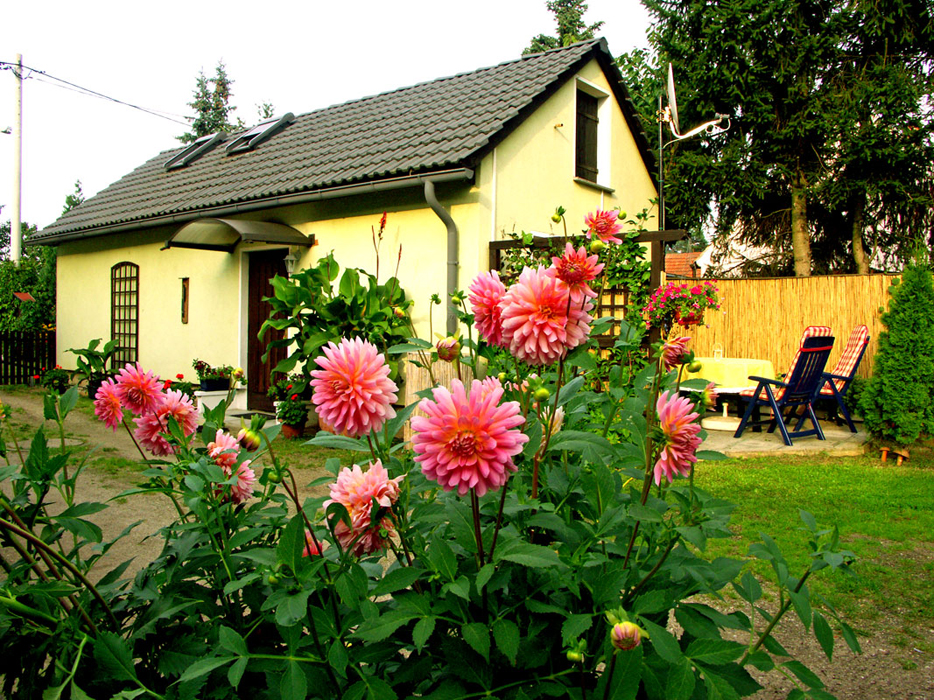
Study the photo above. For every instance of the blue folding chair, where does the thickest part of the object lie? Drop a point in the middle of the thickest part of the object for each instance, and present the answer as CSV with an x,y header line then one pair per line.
x,y
801,386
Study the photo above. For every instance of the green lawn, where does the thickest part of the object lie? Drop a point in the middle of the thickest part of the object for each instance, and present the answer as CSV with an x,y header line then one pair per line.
x,y
885,515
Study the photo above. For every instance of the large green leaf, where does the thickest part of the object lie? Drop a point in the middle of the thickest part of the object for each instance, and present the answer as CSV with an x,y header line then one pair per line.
x,y
477,635
114,657
506,634
526,554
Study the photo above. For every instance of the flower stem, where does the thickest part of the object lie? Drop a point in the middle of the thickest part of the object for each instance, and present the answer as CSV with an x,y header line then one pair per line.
x,y
475,503
499,519
609,677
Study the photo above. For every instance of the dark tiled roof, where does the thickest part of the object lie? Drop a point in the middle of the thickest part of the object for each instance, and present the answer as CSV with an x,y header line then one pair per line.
x,y
443,124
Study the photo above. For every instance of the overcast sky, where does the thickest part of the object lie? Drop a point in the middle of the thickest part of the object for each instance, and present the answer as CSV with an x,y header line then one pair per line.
x,y
299,56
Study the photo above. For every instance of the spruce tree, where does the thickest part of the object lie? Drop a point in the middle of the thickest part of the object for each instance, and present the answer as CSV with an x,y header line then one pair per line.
x,y
898,404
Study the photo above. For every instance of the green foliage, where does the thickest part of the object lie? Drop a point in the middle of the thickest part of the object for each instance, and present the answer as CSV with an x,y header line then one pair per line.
x,y
509,592
55,379
313,311
292,411
569,16
898,404
211,104
93,363
35,274
74,199
825,108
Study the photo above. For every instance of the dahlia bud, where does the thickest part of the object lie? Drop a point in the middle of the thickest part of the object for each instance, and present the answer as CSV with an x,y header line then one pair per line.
x,y
621,215
695,366
398,312
575,657
556,217
248,440
597,246
541,394
626,636
449,349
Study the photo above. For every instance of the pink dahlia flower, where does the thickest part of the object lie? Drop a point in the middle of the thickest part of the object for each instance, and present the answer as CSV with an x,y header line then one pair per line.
x,y
604,225
152,428
576,269
468,441
673,351
353,391
539,322
139,391
356,489
709,396
224,449
107,404
486,292
680,440
242,489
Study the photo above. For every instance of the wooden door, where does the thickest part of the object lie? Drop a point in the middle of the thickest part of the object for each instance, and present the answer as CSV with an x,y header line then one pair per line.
x,y
264,266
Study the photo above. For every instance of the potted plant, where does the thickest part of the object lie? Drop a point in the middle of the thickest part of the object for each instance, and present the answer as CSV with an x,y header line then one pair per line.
x,y
216,378
683,304
283,388
92,363
55,379
292,413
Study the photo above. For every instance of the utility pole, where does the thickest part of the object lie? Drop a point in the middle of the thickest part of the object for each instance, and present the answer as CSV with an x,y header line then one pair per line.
x,y
16,231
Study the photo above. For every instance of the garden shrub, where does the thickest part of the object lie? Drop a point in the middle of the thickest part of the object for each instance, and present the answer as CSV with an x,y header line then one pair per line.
x,y
533,557
898,403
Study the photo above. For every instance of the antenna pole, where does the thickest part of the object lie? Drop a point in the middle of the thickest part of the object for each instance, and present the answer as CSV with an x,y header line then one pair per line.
x,y
16,232
661,166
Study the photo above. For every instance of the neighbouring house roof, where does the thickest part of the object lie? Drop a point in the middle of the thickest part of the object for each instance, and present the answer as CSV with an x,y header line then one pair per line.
x,y
682,264
433,127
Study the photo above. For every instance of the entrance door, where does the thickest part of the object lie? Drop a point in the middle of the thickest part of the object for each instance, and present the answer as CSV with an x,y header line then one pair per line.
x,y
264,266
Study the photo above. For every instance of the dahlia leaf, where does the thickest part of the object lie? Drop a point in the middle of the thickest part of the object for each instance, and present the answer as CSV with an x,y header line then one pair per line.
x,y
714,651
679,685
293,685
527,554
824,635
506,634
422,631
477,635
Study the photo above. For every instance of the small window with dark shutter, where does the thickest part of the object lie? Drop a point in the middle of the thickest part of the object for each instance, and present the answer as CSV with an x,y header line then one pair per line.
x,y
586,136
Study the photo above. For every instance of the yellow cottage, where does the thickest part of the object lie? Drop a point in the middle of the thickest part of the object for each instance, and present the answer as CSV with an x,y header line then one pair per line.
x,y
174,258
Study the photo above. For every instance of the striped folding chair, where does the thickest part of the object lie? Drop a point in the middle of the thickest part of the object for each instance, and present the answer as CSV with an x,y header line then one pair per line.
x,y
837,382
800,388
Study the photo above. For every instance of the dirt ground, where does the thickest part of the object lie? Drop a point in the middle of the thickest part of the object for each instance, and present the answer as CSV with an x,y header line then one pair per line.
x,y
883,671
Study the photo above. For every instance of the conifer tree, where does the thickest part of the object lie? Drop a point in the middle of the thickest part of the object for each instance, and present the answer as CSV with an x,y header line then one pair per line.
x,y
211,104
898,404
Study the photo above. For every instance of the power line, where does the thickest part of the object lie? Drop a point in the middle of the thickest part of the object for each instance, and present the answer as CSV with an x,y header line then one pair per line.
x,y
87,91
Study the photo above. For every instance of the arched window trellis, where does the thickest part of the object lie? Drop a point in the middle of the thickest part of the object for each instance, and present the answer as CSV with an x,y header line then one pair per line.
x,y
124,312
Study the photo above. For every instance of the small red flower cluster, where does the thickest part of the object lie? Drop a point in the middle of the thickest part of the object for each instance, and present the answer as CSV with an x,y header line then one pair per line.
x,y
680,303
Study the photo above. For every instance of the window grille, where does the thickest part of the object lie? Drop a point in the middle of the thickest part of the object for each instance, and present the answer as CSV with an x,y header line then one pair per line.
x,y
124,313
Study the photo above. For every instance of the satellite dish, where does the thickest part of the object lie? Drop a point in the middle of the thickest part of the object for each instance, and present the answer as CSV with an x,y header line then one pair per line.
x,y
672,101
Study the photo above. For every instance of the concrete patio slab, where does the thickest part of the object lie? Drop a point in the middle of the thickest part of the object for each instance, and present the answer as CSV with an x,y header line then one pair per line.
x,y
840,442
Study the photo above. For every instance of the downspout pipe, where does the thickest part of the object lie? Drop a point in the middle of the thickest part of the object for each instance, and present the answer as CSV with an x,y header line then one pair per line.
x,y
453,259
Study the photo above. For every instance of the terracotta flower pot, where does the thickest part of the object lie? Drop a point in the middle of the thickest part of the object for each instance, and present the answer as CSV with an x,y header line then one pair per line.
x,y
292,432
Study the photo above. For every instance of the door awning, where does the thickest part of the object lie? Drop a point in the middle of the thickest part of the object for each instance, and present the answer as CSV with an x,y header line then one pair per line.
x,y
225,234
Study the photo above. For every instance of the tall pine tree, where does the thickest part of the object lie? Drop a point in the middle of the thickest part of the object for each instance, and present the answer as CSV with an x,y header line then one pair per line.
x,y
211,104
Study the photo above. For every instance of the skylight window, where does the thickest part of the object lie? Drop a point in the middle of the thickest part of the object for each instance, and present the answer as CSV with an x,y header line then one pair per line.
x,y
249,140
194,151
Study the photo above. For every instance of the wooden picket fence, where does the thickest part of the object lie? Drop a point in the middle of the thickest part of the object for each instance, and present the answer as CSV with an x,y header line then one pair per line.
x,y
24,354
764,318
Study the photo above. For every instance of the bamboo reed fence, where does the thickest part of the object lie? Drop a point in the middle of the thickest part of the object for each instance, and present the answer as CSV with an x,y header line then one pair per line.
x,y
764,318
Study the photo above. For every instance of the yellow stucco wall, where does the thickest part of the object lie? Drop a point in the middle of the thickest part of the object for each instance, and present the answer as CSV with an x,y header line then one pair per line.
x,y
167,346
535,167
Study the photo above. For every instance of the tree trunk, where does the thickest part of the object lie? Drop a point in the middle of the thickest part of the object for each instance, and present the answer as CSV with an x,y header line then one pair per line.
x,y
858,209
800,242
